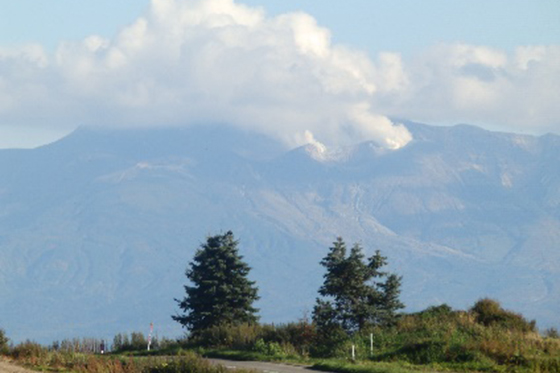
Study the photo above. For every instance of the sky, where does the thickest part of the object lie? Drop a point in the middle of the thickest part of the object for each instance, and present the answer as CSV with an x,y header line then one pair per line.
x,y
303,71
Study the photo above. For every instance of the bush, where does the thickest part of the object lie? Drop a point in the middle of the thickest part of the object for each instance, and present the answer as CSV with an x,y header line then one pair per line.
x,y
268,348
329,341
29,352
241,336
299,335
4,341
443,310
552,333
138,341
187,362
289,339
135,342
489,312
83,345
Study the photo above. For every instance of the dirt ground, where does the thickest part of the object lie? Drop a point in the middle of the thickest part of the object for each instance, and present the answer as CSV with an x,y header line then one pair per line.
x,y
7,367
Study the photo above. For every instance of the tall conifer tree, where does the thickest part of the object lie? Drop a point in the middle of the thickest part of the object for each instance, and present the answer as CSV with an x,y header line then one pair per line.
x,y
220,292
355,293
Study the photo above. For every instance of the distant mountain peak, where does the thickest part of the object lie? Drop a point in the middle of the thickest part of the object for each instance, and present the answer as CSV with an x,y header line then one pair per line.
x,y
97,228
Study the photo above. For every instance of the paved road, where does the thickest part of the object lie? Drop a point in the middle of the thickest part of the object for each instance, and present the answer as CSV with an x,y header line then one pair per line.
x,y
262,366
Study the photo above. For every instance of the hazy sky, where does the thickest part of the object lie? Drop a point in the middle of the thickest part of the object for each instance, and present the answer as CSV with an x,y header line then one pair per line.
x,y
300,71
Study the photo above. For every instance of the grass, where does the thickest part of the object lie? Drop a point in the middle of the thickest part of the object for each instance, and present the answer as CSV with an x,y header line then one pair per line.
x,y
35,357
342,366
483,339
329,365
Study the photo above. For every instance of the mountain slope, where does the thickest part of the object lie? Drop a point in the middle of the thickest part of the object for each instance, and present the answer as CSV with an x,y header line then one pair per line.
x,y
97,229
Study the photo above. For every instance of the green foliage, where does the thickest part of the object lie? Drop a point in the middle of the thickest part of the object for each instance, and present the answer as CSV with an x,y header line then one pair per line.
x,y
552,333
40,358
440,336
343,366
293,339
238,336
296,337
436,339
221,292
187,362
355,296
28,350
138,341
122,342
490,313
4,340
330,335
268,348
83,345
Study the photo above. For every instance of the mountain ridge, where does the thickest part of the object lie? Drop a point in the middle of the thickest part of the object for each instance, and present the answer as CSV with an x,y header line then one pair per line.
x,y
98,228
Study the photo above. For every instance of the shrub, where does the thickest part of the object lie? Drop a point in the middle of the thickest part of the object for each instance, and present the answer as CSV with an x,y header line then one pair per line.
x,y
187,362
329,341
241,336
268,348
299,335
439,335
437,311
138,341
4,348
552,333
29,352
135,342
489,312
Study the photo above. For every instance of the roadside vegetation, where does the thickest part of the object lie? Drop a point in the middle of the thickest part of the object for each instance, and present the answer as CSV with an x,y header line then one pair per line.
x,y
485,338
356,327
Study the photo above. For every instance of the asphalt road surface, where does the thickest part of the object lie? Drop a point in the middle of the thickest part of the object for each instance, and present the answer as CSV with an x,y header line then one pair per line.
x,y
262,366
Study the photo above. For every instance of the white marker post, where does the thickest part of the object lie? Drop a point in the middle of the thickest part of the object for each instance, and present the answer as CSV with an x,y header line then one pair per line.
x,y
150,335
371,344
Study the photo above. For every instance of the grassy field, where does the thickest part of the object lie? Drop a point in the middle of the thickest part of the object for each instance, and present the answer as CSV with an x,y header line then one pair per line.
x,y
484,339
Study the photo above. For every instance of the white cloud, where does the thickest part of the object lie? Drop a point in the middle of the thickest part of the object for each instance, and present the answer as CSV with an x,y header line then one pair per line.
x,y
480,85
206,61
197,61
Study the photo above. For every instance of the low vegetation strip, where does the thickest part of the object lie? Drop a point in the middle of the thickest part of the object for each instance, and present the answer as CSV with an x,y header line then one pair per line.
x,y
33,356
485,338
369,367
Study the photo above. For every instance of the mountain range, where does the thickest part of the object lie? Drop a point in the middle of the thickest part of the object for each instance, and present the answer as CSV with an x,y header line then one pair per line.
x,y
97,229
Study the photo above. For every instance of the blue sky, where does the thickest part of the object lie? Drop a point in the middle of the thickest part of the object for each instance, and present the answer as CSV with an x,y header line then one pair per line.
x,y
397,25
400,59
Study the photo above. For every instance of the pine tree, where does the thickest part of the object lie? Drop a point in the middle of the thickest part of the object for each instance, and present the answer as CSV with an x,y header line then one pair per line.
x,y
354,295
220,293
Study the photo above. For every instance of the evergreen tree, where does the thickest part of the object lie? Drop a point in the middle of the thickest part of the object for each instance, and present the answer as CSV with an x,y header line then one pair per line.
x,y
220,293
355,295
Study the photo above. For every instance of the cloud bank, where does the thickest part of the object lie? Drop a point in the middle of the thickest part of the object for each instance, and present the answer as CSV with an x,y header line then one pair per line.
x,y
216,61
475,84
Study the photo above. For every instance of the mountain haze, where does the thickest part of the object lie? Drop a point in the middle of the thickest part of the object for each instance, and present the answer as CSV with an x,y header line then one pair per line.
x,y
97,229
